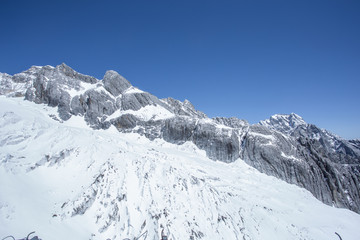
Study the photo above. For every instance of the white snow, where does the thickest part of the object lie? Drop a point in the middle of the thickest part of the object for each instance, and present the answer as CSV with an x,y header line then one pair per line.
x,y
132,90
77,122
290,157
149,112
83,88
126,185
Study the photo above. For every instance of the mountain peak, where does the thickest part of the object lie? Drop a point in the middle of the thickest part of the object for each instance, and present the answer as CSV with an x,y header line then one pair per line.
x,y
65,69
63,65
69,72
284,122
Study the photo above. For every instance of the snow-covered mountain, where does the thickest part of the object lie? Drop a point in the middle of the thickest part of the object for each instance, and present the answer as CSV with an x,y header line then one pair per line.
x,y
94,159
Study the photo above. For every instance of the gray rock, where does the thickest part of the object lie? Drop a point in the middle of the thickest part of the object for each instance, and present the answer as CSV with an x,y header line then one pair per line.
x,y
339,180
324,164
183,108
49,86
49,92
355,143
137,100
78,105
95,106
125,122
219,143
71,73
64,105
178,130
6,84
115,83
14,86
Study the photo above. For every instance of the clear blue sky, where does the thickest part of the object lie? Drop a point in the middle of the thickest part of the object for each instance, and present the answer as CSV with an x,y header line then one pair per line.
x,y
249,59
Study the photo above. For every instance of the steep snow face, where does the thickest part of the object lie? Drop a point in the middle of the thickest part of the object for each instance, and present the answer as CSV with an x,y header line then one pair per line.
x,y
67,181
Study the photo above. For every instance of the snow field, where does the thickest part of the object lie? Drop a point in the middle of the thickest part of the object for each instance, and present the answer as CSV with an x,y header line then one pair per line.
x,y
67,181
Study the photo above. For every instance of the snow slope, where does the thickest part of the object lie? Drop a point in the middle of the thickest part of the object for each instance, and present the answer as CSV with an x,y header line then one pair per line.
x,y
67,181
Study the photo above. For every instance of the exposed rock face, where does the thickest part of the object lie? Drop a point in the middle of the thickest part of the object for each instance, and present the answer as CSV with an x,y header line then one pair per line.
x,y
183,108
73,75
232,122
284,146
315,159
115,83
137,100
51,86
219,143
355,143
93,105
14,86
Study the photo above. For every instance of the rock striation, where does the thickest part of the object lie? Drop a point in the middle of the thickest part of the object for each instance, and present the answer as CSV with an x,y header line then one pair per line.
x,y
283,146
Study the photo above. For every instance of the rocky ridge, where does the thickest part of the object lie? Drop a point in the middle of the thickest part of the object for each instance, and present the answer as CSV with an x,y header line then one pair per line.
x,y
284,146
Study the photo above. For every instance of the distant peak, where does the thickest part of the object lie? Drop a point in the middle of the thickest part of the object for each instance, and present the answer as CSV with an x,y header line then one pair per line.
x,y
294,115
284,122
112,73
36,67
188,104
63,67
63,64
291,115
288,117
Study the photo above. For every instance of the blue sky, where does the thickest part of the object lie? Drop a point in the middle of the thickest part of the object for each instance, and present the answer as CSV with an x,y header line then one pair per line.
x,y
249,59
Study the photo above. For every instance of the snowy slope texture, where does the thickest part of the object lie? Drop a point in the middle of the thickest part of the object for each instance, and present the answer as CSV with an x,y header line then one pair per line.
x,y
66,181
284,146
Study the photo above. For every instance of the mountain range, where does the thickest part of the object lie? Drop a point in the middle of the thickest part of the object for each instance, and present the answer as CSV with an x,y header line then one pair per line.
x,y
176,155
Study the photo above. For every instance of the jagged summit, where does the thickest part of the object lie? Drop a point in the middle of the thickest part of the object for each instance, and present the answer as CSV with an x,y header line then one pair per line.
x,y
284,122
115,83
82,95
284,146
